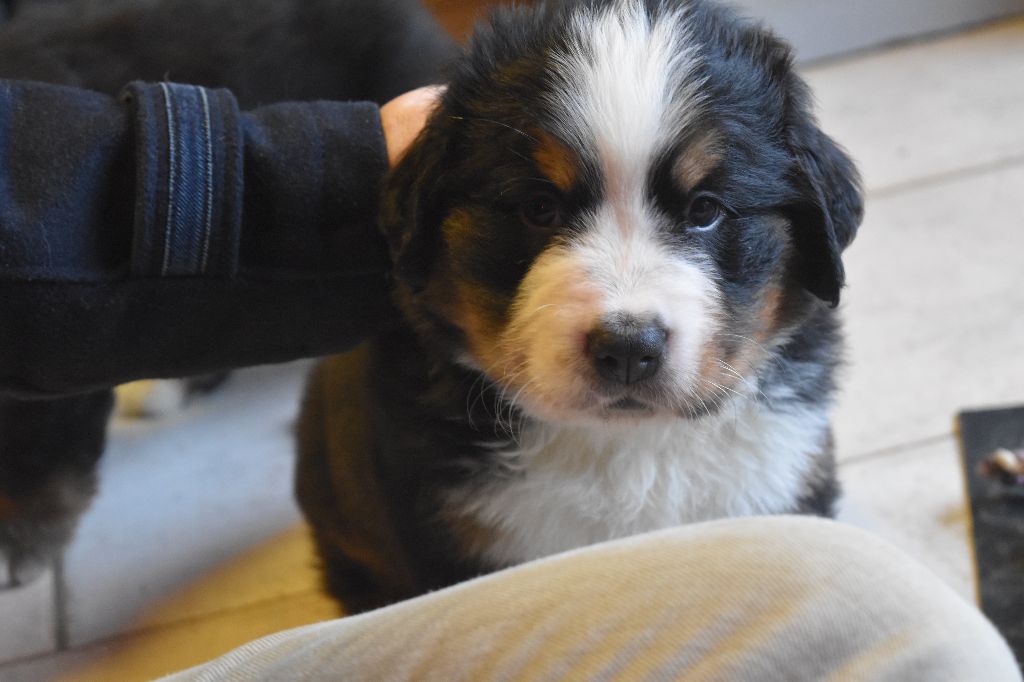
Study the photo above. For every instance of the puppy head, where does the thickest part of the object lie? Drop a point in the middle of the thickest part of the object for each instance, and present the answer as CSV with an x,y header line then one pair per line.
x,y
619,208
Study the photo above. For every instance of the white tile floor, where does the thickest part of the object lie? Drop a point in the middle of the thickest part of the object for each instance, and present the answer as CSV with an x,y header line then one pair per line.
x,y
193,545
223,470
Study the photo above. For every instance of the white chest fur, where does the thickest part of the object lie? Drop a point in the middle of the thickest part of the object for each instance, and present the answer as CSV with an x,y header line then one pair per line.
x,y
577,485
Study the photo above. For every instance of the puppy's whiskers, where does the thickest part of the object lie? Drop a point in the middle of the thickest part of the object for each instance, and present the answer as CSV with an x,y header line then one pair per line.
x,y
497,123
752,342
707,410
509,406
502,404
723,398
513,404
754,388
725,388
540,309
478,385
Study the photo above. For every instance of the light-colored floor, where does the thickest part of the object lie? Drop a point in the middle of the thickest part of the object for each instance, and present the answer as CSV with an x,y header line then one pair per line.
x,y
194,545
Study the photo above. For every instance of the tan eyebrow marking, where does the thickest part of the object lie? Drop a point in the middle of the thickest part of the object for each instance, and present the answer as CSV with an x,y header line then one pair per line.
x,y
697,160
555,160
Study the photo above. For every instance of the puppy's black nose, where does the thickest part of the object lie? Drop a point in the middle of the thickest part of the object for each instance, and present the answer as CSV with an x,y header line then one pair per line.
x,y
627,352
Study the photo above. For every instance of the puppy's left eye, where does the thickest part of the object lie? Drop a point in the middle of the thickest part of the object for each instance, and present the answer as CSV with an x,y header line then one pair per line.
x,y
705,212
543,209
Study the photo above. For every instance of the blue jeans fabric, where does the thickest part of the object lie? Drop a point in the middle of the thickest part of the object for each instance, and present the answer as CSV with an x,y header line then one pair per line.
x,y
178,237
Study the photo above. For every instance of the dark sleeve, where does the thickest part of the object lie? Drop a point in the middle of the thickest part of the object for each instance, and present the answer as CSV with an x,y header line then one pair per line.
x,y
164,233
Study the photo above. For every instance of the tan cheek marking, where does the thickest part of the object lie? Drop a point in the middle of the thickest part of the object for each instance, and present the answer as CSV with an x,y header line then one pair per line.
x,y
697,160
742,363
710,371
556,162
768,313
458,230
766,323
477,317
478,312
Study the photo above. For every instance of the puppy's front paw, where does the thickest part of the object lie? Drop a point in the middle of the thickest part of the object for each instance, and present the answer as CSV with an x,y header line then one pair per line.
x,y
50,449
35,528
20,569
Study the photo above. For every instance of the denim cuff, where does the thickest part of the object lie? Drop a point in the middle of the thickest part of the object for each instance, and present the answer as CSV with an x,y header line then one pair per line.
x,y
188,194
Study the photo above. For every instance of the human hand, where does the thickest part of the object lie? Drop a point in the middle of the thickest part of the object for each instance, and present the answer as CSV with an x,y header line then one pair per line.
x,y
404,117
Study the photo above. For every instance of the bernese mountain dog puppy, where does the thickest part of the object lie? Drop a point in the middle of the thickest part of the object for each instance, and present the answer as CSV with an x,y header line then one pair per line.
x,y
617,254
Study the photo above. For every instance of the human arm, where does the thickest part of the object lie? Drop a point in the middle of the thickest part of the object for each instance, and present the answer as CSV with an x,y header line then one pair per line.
x,y
251,238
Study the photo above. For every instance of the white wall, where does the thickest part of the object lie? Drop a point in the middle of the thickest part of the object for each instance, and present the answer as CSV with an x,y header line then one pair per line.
x,y
823,28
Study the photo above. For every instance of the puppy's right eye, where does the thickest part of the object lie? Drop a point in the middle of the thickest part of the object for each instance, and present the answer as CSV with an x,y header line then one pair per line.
x,y
543,209
704,212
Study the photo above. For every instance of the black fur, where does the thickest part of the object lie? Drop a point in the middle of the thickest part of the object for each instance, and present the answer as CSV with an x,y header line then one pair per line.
x,y
415,428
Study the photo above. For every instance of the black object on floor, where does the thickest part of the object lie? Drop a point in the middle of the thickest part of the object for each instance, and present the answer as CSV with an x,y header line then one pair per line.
x,y
997,512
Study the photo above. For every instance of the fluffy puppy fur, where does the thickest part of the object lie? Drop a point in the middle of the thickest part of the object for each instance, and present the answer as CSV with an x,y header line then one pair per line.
x,y
262,50
617,254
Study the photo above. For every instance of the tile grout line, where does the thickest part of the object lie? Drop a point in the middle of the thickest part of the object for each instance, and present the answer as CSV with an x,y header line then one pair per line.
x,y
148,629
970,29
60,605
156,628
924,182
889,450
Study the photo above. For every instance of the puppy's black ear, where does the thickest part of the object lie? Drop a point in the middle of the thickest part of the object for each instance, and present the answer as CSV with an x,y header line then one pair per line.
x,y
412,208
829,204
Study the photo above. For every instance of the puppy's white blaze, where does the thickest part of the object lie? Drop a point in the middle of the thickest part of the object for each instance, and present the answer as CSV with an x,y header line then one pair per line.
x,y
581,485
624,87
